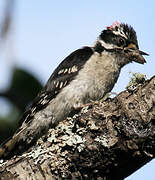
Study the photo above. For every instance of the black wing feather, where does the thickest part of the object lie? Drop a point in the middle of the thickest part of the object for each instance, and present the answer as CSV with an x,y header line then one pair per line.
x,y
77,59
58,80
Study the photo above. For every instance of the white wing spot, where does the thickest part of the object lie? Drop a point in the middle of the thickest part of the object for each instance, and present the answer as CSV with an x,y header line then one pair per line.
x,y
65,83
74,69
44,102
65,70
69,70
45,96
33,109
61,71
57,84
61,85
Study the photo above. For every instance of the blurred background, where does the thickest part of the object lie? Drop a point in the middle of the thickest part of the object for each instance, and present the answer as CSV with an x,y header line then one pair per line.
x,y
35,36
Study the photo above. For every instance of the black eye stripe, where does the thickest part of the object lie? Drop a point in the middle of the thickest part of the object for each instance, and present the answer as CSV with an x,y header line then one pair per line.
x,y
111,38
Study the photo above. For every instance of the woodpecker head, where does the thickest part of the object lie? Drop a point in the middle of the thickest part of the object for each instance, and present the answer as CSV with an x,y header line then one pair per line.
x,y
122,40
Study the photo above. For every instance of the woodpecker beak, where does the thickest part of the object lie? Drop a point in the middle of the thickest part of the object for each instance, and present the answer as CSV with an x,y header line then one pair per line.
x,y
135,54
138,56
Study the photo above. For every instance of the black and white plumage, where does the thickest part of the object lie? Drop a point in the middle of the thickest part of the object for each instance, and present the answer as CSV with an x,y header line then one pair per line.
x,y
86,74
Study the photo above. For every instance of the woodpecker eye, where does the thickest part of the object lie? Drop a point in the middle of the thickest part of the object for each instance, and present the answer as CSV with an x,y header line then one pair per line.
x,y
121,42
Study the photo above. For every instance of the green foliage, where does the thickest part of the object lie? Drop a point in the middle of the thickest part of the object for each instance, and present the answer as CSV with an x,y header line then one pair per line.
x,y
23,88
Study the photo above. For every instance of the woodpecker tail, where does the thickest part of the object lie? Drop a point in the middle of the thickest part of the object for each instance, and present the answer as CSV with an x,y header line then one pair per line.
x,y
7,146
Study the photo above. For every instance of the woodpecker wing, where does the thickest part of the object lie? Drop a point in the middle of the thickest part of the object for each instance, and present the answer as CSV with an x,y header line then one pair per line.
x,y
61,77
68,69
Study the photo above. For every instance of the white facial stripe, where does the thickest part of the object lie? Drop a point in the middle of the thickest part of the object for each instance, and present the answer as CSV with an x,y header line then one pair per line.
x,y
120,32
107,45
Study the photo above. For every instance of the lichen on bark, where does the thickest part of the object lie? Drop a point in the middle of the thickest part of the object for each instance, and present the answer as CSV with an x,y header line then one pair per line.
x,y
104,141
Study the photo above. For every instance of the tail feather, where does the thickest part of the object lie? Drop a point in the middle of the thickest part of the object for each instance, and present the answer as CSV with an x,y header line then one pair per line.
x,y
6,147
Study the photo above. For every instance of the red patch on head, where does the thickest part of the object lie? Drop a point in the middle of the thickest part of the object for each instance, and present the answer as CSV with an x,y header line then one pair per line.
x,y
112,27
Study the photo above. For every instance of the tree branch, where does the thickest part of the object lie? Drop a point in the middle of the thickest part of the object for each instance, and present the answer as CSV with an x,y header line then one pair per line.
x,y
108,140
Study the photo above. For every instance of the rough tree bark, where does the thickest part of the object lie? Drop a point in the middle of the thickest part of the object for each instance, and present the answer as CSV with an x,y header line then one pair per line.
x,y
105,141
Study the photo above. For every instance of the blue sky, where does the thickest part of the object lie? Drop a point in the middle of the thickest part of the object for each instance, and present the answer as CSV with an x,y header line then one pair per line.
x,y
45,32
